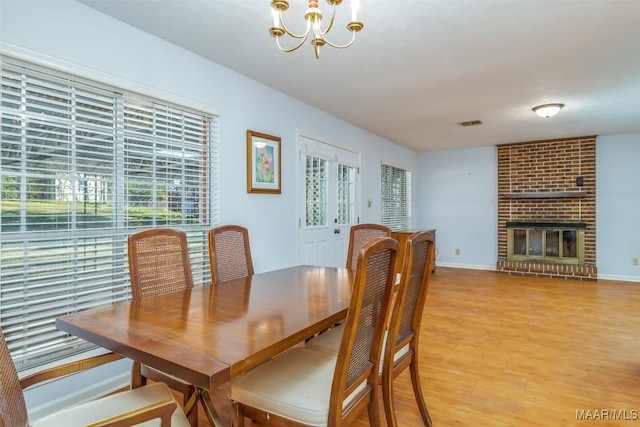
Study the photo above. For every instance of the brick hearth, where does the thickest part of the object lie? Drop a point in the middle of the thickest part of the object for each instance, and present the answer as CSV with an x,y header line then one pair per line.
x,y
550,167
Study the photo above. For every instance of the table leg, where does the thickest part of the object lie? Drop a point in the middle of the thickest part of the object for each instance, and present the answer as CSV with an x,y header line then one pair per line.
x,y
210,411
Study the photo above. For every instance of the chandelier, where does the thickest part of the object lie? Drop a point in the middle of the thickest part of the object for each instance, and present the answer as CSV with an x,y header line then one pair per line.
x,y
313,16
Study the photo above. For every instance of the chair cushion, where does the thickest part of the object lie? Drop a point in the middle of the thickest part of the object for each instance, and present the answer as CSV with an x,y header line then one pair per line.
x,y
295,385
329,342
115,404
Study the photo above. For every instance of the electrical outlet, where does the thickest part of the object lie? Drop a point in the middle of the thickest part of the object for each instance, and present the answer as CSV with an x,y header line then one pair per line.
x,y
437,253
635,261
457,251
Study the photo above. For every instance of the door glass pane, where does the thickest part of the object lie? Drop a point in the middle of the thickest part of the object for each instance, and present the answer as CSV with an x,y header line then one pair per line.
x,y
535,242
346,194
316,188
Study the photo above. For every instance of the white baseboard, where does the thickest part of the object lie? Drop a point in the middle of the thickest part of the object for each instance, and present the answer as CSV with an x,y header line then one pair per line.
x,y
619,278
467,266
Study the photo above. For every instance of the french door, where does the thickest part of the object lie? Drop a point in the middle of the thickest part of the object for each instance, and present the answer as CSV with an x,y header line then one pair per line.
x,y
328,194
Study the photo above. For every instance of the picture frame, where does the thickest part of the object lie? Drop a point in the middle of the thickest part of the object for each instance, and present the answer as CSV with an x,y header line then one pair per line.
x,y
263,163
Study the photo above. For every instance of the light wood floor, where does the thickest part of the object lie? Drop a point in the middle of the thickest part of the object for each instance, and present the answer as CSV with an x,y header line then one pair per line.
x,y
502,350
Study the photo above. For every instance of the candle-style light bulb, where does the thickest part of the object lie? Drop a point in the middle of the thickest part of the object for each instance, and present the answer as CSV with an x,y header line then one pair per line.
x,y
317,25
276,21
355,5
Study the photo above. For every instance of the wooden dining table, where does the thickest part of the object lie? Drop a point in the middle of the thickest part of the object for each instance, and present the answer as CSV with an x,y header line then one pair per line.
x,y
210,334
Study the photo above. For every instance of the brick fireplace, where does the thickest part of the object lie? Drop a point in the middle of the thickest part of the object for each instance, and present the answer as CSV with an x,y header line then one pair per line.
x,y
549,186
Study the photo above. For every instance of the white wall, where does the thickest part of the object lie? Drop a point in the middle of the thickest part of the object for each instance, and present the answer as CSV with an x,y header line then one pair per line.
x,y
457,196
618,206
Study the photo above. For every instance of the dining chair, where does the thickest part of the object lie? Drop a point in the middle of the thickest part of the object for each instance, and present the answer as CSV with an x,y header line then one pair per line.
x,y
401,340
229,253
401,344
359,235
159,264
303,387
126,408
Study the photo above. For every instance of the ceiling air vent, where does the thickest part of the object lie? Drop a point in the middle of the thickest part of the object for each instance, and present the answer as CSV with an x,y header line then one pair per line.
x,y
470,123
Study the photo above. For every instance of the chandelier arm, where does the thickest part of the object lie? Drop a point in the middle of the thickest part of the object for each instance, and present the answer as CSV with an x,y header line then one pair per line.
x,y
294,35
341,46
291,49
330,25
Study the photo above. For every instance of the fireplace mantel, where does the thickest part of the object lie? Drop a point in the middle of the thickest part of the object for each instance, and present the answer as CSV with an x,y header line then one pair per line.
x,y
545,194
538,224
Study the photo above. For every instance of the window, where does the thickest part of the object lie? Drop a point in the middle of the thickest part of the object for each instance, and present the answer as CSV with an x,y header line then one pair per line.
x,y
84,165
396,198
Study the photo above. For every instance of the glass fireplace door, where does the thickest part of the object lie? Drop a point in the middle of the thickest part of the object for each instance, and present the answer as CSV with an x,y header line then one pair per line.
x,y
545,244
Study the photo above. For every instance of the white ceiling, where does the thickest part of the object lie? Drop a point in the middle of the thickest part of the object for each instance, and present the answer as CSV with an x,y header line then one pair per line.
x,y
421,66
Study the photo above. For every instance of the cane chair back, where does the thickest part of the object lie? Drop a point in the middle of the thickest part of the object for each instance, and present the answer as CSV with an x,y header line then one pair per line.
x,y
359,235
361,346
159,262
116,410
13,409
401,348
229,253
337,387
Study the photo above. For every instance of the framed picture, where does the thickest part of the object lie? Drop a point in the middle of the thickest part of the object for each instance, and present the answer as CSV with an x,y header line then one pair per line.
x,y
263,163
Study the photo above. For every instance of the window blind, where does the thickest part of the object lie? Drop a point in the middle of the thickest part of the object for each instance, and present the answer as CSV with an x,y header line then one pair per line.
x,y
396,197
83,165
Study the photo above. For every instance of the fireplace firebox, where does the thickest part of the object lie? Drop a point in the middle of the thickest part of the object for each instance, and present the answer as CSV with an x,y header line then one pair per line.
x,y
546,242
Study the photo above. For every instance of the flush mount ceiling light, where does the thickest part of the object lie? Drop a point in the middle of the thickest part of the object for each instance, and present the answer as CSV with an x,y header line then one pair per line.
x,y
313,17
547,110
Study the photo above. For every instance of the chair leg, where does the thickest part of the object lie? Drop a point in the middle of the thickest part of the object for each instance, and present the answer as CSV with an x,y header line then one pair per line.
x,y
237,418
387,399
374,409
137,380
417,392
